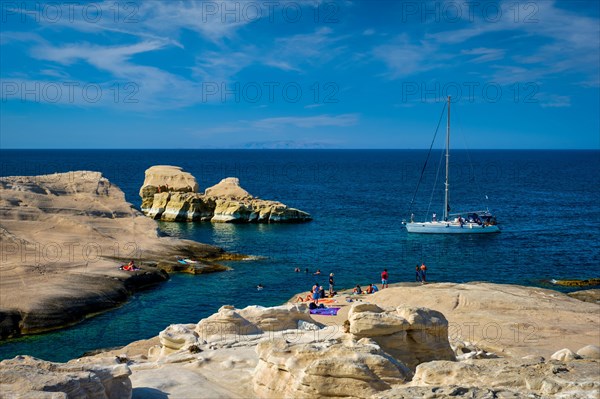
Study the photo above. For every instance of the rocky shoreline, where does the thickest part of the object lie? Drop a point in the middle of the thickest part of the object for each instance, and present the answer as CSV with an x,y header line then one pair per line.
x,y
171,194
378,346
63,238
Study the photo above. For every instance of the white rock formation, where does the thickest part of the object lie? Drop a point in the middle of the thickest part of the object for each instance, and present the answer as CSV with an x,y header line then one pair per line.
x,y
564,355
228,188
170,194
589,352
522,378
312,362
165,178
335,368
411,335
28,377
62,238
251,320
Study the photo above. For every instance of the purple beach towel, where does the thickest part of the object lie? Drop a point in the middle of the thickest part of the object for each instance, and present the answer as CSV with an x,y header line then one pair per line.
x,y
325,311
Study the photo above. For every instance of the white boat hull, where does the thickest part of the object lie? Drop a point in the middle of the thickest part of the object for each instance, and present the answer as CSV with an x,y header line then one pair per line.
x,y
450,228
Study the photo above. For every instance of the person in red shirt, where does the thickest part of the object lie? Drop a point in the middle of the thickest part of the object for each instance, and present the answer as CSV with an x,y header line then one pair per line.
x,y
424,273
384,279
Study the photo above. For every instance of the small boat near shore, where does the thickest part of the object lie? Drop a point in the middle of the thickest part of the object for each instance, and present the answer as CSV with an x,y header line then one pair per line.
x,y
475,222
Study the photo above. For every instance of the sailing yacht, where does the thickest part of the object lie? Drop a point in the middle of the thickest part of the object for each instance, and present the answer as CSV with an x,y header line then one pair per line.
x,y
454,223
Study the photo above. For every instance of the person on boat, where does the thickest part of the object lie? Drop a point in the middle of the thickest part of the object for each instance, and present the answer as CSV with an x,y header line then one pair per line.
x,y
418,274
423,273
357,290
412,217
384,279
460,221
434,217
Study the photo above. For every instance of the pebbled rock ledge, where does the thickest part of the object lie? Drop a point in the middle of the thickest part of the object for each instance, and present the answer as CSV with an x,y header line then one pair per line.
x,y
170,194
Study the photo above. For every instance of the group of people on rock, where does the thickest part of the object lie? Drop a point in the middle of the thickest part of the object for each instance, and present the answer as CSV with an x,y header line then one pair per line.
x,y
372,288
318,292
421,273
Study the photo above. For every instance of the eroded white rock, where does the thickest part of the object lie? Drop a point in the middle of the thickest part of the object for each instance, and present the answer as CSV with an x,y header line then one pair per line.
x,y
335,368
564,355
589,352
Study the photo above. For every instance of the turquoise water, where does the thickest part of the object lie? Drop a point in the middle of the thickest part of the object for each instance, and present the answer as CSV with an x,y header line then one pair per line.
x,y
547,203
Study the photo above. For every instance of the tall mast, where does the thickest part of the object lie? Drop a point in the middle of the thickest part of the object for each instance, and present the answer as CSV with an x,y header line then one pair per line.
x,y
447,161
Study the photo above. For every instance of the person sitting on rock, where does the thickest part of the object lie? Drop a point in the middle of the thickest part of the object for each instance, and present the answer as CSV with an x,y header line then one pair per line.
x,y
129,267
321,292
357,290
371,289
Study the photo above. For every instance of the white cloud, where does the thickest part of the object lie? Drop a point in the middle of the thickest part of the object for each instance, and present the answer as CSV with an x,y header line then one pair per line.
x,y
403,58
554,100
315,48
157,26
153,87
307,122
103,57
289,54
282,124
368,32
213,20
483,54
560,41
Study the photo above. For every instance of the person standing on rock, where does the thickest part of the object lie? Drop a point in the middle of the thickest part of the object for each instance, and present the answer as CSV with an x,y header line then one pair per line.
x,y
331,284
423,273
315,293
418,274
384,279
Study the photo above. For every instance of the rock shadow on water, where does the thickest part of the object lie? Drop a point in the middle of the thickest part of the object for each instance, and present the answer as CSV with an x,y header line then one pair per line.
x,y
148,393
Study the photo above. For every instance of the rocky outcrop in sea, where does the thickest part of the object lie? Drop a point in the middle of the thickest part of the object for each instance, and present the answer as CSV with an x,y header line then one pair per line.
x,y
171,194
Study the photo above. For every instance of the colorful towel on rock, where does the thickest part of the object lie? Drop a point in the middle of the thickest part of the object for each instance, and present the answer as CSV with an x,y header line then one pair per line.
x,y
325,311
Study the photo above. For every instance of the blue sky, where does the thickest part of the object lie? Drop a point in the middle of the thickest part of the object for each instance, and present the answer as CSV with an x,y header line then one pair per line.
x,y
298,74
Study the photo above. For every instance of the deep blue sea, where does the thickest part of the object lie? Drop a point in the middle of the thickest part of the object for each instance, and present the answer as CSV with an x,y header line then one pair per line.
x,y
547,204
